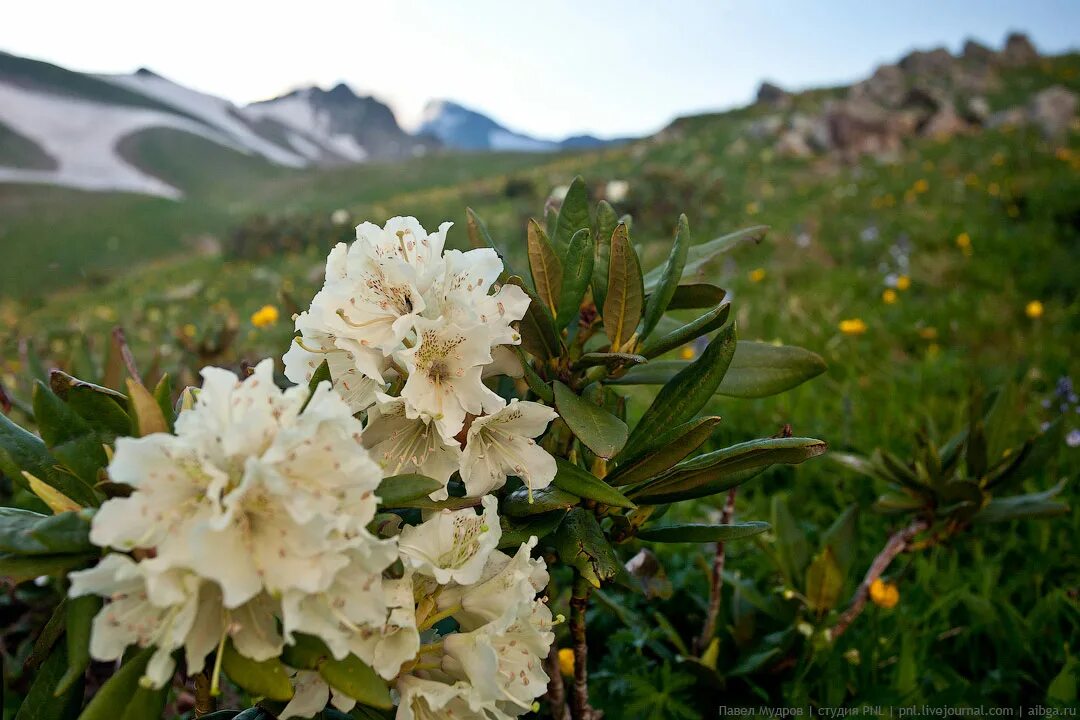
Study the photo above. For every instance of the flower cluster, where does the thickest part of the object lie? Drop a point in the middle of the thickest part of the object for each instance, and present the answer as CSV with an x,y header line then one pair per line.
x,y
254,523
409,333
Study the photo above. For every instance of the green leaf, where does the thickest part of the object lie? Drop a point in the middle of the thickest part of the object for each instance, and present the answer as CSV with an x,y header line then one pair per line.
x,y
573,214
515,532
599,430
266,678
538,335
80,614
670,274
897,502
625,295
688,392
40,702
606,222
695,296
581,544
840,538
824,582
792,551
70,440
104,409
23,532
654,372
356,679
144,410
306,652
146,703
1024,507
573,479
577,273
480,237
545,267
701,532
699,261
21,568
112,699
609,359
692,330
763,369
536,383
398,489
321,375
723,469
664,452
522,503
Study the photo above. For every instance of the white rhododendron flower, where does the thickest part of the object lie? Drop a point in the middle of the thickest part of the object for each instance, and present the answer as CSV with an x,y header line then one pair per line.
x,y
409,445
423,699
506,582
310,695
387,646
502,444
503,659
444,375
453,545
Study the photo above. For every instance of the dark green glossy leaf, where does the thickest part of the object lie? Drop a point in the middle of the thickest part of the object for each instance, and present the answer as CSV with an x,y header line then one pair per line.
x,y
700,260
840,538
398,489
662,453
695,296
721,470
23,532
41,701
538,334
701,532
670,274
573,215
536,383
609,359
72,442
545,268
104,409
321,374
112,699
576,276
686,394
163,396
625,295
266,678
897,502
21,568
521,503
79,614
581,544
599,430
575,480
480,237
714,318
306,652
606,222
763,369
515,532
356,679
146,703
1024,507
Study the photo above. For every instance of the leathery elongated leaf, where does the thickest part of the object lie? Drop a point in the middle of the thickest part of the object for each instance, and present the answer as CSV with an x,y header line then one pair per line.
x,y
266,678
71,441
80,614
402,488
692,330
581,544
625,294
24,532
112,699
480,237
577,273
145,411
792,549
721,470
536,383
1022,507
21,568
538,335
599,430
824,582
670,274
573,214
701,532
104,409
522,503
686,393
545,267
668,449
573,479
516,532
610,360
356,679
606,222
699,260
693,296
40,702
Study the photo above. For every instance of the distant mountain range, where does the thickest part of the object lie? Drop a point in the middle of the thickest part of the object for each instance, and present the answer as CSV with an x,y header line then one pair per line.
x,y
60,127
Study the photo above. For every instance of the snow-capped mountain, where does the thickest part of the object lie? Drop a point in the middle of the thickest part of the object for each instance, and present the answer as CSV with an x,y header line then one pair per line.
x,y
460,128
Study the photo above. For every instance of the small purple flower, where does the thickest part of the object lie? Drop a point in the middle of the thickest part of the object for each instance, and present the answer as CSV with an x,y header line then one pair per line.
x,y
1073,438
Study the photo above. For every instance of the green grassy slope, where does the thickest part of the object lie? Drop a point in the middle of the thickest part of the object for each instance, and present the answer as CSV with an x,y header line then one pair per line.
x,y
22,152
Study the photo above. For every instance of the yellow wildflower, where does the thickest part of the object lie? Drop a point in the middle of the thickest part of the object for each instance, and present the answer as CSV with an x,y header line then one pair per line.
x,y
1034,309
884,594
998,159
189,330
566,661
903,283
921,186
853,326
757,275
994,189
889,297
928,333
687,353
963,240
265,316
752,208
933,350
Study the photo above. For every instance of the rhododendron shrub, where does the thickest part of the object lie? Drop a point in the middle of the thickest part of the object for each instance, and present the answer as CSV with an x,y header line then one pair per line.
x,y
375,528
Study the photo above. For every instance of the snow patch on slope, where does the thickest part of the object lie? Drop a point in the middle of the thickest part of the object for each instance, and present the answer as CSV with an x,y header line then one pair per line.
x,y
297,111
215,111
82,137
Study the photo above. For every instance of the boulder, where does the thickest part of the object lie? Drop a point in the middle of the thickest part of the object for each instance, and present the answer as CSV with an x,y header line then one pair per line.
x,y
771,94
858,127
944,123
976,53
886,86
792,143
1019,50
765,127
1052,110
927,63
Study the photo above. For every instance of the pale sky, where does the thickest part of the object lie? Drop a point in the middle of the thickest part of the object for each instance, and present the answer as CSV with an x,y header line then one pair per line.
x,y
548,68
